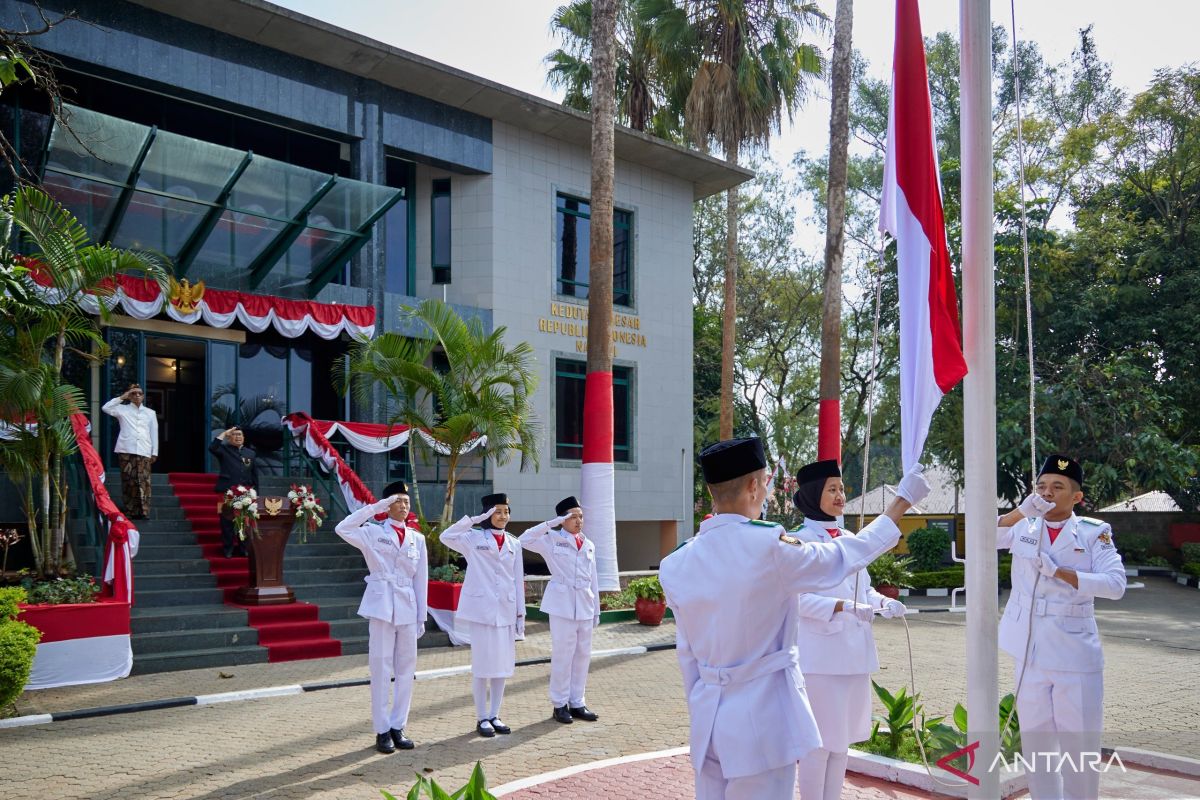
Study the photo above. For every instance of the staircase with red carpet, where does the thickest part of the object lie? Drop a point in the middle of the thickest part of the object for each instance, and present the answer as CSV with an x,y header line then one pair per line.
x,y
289,632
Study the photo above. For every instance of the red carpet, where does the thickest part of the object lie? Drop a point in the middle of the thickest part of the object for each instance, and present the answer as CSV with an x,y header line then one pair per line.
x,y
290,632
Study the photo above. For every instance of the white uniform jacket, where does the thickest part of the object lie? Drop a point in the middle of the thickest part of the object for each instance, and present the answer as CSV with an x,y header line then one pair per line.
x,y
1064,624
574,588
494,590
835,643
733,590
139,428
398,583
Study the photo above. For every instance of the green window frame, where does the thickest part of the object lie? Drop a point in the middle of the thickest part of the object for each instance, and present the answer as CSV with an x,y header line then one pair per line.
x,y
570,375
439,230
571,242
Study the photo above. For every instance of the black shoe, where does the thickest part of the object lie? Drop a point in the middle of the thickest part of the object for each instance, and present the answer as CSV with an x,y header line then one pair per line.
x,y
584,713
485,729
400,740
499,726
228,552
562,715
241,553
383,743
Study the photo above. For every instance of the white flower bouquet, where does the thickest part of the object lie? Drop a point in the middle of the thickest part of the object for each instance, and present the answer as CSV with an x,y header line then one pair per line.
x,y
309,511
243,502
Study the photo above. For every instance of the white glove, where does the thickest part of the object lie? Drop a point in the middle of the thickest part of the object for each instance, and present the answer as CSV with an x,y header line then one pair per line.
x,y
861,610
1045,565
384,504
913,487
554,523
520,628
485,515
1035,506
892,609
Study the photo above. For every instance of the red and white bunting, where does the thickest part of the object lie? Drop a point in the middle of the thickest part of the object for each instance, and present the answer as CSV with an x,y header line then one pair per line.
x,y
143,299
81,643
307,430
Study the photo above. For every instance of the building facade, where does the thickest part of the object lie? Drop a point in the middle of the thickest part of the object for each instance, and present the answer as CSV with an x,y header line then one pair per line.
x,y
271,154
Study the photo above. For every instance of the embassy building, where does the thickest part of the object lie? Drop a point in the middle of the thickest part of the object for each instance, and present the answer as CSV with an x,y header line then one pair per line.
x,y
318,172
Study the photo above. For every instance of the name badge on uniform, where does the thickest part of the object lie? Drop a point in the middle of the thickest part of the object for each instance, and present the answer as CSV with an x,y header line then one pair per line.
x,y
483,547
562,544
385,541
412,551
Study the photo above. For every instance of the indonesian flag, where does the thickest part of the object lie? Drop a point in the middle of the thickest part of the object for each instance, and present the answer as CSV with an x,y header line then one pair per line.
x,y
931,357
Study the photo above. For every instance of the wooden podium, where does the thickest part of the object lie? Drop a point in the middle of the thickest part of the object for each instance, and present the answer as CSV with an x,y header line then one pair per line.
x,y
266,554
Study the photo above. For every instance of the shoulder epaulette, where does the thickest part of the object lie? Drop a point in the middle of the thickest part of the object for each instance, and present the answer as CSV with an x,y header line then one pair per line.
x,y
1092,521
684,542
763,523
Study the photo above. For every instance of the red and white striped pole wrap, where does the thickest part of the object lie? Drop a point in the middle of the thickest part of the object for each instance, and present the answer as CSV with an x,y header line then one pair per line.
x,y
597,491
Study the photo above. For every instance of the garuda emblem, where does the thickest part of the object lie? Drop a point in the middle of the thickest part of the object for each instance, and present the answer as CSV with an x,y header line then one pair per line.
x,y
185,295
1062,463
273,505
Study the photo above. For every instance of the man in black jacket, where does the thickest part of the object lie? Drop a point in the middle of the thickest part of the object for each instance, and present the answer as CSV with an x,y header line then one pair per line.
x,y
237,467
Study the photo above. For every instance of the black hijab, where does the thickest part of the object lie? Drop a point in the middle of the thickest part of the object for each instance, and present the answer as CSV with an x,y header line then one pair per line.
x,y
811,485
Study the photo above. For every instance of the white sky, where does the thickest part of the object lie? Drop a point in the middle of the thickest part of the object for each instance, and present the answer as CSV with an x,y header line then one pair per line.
x,y
506,40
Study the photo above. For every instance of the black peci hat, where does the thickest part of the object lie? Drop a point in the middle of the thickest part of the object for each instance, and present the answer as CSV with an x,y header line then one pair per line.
x,y
492,500
395,487
731,459
1058,464
565,505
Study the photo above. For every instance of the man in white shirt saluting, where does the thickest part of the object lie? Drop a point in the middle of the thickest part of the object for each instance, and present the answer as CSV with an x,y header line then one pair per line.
x,y
137,448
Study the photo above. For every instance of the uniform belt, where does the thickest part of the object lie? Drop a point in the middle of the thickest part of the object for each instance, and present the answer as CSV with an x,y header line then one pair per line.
x,y
1041,607
772,662
579,583
395,580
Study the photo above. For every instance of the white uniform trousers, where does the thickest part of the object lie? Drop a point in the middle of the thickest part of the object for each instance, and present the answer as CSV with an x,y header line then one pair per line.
x,y
1062,713
841,705
391,656
570,656
775,784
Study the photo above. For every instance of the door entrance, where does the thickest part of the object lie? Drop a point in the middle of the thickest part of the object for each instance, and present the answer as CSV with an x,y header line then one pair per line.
x,y
175,389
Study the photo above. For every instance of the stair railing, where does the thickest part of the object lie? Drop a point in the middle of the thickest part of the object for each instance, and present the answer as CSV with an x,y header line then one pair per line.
x,y
87,528
298,455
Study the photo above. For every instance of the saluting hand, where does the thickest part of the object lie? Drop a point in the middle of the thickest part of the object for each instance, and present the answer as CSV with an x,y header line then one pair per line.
x,y
385,503
485,515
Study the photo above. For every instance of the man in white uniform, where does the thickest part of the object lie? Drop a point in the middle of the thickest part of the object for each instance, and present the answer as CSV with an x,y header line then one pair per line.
x,y
492,603
136,449
834,637
733,590
395,603
572,601
1060,563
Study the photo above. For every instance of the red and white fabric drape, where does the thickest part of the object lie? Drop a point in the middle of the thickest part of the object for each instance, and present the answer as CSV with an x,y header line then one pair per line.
x,y
123,537
218,308
379,437
308,431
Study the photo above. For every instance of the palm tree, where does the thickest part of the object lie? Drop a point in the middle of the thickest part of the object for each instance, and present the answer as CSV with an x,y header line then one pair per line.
x,y
484,391
752,66
650,85
829,441
57,249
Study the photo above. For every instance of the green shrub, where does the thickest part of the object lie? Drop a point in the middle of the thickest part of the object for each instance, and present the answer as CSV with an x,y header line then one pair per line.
x,y
647,589
888,570
929,548
61,590
1191,551
611,601
938,579
1134,547
474,789
448,573
1191,568
1157,561
18,645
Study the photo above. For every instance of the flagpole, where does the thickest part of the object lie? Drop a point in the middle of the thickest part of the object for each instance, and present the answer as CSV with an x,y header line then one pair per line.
x,y
979,388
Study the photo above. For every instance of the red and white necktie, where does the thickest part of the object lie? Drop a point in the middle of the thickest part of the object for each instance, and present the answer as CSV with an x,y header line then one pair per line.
x,y
579,541
499,540
833,532
399,529
1054,532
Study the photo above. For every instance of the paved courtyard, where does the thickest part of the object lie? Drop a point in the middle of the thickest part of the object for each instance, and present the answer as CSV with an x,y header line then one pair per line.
x,y
318,744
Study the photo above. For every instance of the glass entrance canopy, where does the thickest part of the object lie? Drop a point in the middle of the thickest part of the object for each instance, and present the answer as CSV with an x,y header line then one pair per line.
x,y
229,217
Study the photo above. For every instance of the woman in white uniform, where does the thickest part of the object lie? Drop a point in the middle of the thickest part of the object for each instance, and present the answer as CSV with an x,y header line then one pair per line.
x,y
492,603
837,648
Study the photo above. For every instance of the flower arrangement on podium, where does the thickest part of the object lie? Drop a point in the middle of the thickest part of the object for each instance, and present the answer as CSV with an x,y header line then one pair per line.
x,y
309,512
243,505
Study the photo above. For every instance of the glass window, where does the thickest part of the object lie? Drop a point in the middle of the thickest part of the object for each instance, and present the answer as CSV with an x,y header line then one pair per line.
x,y
440,226
569,379
398,241
573,243
262,399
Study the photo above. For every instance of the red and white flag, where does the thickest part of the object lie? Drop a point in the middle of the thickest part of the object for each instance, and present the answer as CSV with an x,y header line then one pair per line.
x,y
931,355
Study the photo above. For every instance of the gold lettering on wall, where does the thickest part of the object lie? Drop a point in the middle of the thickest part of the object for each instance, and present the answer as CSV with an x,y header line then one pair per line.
x,y
569,319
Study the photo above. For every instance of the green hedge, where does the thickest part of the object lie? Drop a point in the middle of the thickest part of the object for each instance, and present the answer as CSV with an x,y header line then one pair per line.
x,y
1134,547
18,645
952,577
929,548
1191,568
1191,552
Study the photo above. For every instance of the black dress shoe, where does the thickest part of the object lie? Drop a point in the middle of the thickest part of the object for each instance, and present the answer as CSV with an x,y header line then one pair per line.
x,y
584,713
400,740
485,729
228,553
383,743
561,714
499,726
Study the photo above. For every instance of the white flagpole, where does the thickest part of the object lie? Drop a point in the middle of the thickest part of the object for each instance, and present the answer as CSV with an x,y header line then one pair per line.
x,y
979,406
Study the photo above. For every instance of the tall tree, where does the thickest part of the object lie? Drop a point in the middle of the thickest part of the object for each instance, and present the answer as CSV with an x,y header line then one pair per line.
x,y
752,66
829,431
597,474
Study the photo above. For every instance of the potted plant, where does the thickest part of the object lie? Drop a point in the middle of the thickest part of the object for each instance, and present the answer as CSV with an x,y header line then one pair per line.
x,y
889,574
651,603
